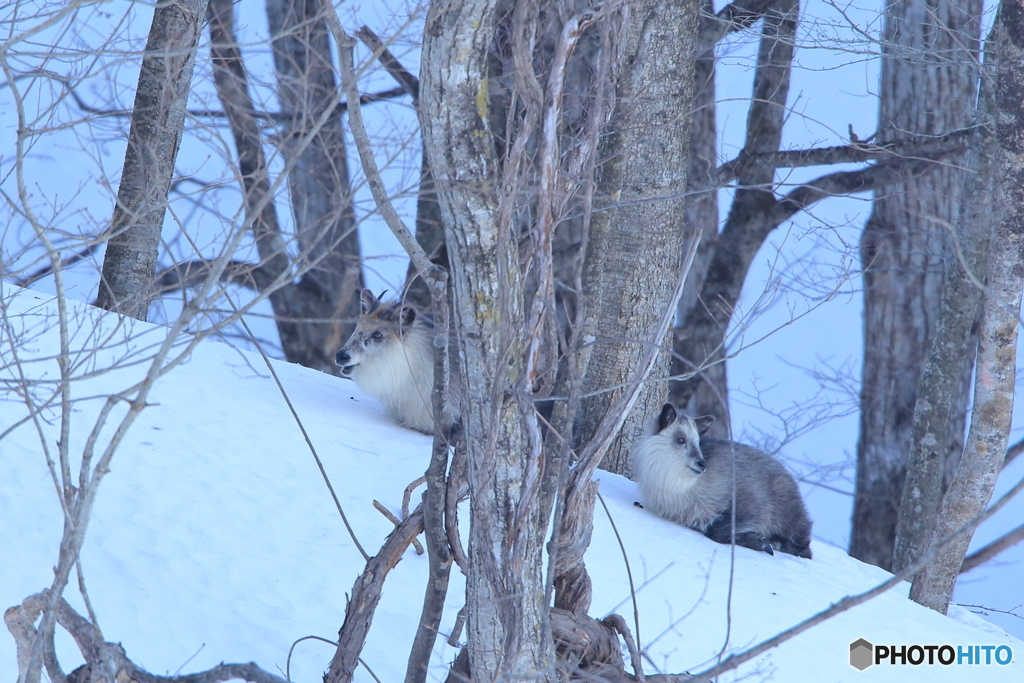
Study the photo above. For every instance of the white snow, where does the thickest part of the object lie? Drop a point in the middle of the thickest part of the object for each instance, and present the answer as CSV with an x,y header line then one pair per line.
x,y
214,537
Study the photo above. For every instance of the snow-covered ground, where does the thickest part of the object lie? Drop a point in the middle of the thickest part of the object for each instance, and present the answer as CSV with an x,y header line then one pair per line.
x,y
214,537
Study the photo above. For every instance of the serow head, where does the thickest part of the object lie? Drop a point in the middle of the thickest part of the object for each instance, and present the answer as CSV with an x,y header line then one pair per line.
x,y
684,433
378,327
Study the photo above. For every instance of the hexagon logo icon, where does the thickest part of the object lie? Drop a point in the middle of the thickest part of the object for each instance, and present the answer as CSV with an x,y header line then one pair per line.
x,y
861,654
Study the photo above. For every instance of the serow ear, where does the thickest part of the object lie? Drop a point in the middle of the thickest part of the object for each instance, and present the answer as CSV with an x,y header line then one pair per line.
x,y
367,301
704,423
667,417
407,316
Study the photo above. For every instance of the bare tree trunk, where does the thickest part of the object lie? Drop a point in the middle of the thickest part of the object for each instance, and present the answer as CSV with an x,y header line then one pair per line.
x,y
507,625
701,339
975,480
158,118
319,182
928,87
645,176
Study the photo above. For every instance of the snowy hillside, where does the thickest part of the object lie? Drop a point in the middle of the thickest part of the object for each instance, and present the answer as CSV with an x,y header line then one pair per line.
x,y
214,537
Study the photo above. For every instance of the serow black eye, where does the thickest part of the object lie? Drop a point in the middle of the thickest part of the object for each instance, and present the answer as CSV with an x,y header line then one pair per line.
x,y
377,336
681,440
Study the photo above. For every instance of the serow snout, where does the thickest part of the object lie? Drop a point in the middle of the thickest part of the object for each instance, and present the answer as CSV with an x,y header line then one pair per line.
x,y
698,466
344,359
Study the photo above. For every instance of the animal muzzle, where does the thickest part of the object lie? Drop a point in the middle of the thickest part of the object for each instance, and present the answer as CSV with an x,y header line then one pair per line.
x,y
344,359
698,466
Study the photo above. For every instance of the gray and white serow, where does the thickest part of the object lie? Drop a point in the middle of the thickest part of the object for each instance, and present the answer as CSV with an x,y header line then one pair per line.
x,y
687,478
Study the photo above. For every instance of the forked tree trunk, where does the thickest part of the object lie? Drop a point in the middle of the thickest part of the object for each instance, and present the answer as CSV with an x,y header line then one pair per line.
x,y
319,186
702,218
700,341
975,480
927,89
158,118
296,307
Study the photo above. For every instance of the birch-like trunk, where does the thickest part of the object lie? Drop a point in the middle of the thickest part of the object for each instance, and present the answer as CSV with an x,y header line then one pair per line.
x,y
507,624
972,487
929,73
158,118
942,393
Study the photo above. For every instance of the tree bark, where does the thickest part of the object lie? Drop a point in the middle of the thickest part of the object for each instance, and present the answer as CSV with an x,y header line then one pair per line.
x,y
645,178
975,480
158,119
319,181
507,624
928,86
942,392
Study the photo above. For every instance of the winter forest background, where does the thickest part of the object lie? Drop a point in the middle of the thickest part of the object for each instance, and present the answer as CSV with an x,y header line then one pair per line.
x,y
795,340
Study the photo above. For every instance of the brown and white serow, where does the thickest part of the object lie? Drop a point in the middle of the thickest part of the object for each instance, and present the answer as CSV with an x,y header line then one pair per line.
x,y
688,479
390,356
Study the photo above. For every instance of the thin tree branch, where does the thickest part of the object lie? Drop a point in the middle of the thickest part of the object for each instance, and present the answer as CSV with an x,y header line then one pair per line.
x,y
194,273
733,17
409,83
882,174
935,148
362,142
390,516
95,651
66,262
305,435
273,116
456,490
365,596
616,622
1012,452
986,553
433,509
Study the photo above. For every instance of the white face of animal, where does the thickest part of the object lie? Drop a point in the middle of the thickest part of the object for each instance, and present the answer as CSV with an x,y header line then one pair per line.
x,y
378,333
681,434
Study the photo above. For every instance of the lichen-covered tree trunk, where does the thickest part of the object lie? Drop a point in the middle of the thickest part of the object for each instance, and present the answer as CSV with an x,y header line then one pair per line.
x,y
158,118
507,626
991,418
634,248
928,82
942,394
318,183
